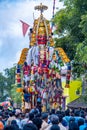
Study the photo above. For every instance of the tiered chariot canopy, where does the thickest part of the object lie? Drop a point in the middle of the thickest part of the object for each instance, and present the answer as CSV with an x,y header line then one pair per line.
x,y
41,30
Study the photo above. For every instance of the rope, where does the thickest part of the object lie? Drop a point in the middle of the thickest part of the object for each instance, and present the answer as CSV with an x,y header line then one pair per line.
x,y
53,8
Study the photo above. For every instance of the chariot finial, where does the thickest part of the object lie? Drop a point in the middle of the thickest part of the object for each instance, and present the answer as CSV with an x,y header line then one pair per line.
x,y
41,8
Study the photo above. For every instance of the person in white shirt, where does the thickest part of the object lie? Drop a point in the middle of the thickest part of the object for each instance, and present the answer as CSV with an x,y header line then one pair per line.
x,y
60,123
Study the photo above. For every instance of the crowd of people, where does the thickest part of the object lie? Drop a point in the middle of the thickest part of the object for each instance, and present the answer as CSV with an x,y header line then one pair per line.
x,y
70,119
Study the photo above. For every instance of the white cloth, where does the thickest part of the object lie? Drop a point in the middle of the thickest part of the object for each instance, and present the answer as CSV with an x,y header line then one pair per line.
x,y
62,127
18,123
51,51
29,56
36,55
44,95
24,121
33,55
26,78
44,125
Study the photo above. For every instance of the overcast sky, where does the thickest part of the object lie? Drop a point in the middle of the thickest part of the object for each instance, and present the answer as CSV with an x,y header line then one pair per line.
x,y
11,39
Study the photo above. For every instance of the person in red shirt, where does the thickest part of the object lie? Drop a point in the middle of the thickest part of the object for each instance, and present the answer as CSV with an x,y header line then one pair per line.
x,y
26,71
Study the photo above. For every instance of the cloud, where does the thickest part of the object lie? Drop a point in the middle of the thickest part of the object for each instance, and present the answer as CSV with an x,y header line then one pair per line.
x,y
11,38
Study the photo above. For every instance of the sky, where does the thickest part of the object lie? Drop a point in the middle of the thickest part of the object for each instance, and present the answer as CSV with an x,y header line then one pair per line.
x,y
11,38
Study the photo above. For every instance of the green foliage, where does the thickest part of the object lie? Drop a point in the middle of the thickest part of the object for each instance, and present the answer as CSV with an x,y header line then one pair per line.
x,y
60,20
71,23
84,97
16,97
8,87
80,60
78,91
10,77
81,54
71,28
3,86
83,24
67,44
68,30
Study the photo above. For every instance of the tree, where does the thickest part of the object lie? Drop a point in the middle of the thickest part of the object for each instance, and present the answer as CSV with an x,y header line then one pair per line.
x,y
10,77
71,28
6,81
80,60
8,86
3,85
71,23
16,96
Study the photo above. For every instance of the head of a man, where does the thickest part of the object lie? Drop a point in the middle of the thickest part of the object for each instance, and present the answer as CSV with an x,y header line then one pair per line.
x,y
45,116
30,126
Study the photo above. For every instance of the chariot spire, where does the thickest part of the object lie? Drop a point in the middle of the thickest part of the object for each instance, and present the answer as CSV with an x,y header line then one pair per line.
x,y
41,8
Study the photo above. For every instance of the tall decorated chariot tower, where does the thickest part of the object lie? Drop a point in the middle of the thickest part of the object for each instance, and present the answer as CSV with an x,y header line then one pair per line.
x,y
38,74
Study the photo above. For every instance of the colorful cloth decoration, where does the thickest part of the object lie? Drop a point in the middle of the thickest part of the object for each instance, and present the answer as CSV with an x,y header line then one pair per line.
x,y
18,76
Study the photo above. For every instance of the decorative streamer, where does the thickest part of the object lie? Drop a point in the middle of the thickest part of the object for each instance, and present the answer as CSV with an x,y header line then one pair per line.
x,y
53,14
53,8
18,79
